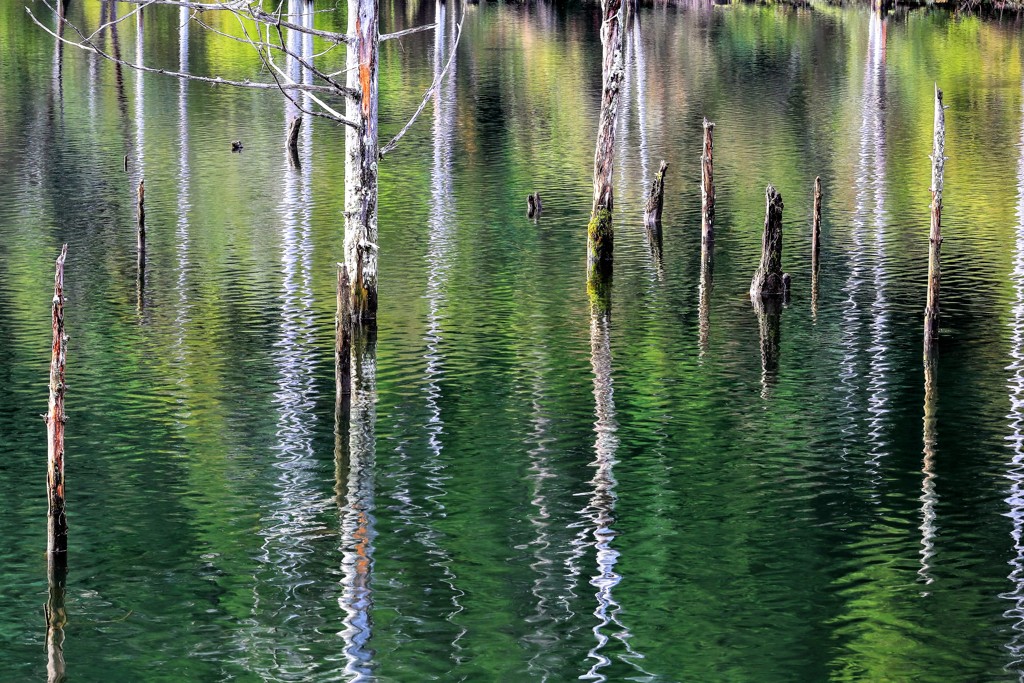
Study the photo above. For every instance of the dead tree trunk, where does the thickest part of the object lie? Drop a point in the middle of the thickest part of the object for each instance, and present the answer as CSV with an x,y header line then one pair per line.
x,y
361,157
293,141
600,236
141,216
815,245
57,523
768,279
707,193
656,200
931,311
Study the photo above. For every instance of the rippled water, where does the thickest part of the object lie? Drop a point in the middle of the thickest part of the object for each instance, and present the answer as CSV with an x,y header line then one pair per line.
x,y
522,488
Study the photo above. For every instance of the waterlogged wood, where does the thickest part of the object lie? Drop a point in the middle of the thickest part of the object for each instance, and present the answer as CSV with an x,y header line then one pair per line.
x,y
656,200
140,216
361,156
294,126
57,523
931,311
600,236
815,245
707,193
534,205
768,278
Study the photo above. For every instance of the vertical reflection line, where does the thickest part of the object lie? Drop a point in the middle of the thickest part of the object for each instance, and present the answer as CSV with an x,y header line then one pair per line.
x,y
140,99
1015,473
184,205
439,255
640,65
868,149
355,486
871,189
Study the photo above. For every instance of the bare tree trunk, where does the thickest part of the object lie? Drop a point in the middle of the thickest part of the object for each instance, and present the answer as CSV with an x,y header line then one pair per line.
x,y
361,157
656,200
931,311
600,237
56,519
57,523
815,245
768,279
707,194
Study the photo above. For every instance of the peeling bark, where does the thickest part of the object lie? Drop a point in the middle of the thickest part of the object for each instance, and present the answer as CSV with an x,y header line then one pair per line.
x,y
361,156
931,311
707,193
57,523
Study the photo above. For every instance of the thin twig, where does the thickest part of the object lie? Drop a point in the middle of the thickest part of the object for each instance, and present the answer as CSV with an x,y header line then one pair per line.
x,y
430,91
406,32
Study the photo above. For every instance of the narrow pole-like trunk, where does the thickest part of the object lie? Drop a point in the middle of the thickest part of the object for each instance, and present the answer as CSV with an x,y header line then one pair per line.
x,y
141,234
57,523
656,200
140,216
768,280
294,126
600,236
361,157
931,311
707,193
815,245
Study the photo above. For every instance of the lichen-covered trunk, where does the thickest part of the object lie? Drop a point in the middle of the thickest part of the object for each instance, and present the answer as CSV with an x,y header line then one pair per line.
x,y
57,523
361,156
767,280
707,193
656,200
600,237
931,311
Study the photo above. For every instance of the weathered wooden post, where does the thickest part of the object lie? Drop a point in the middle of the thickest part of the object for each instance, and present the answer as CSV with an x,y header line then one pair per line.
x,y
600,236
294,126
931,311
141,216
656,200
57,523
768,280
707,193
815,245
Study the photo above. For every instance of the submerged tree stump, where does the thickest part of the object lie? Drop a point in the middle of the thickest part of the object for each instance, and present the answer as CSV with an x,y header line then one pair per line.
x,y
533,205
57,523
931,311
656,200
294,126
768,279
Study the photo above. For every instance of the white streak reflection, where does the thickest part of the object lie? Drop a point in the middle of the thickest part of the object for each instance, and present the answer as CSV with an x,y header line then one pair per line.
x,y
1015,473
867,260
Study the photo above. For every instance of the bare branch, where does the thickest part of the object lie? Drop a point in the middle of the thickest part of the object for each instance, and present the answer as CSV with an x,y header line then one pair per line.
x,y
430,91
406,32
88,46
251,10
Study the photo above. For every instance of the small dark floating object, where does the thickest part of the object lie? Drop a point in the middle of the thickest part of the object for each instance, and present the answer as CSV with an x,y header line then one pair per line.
x,y
533,205
236,146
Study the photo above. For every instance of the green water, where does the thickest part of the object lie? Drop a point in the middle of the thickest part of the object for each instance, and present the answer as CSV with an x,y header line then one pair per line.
x,y
524,490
